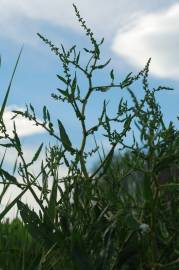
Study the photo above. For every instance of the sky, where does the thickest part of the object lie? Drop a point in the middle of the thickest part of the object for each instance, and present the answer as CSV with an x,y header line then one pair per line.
x,y
133,31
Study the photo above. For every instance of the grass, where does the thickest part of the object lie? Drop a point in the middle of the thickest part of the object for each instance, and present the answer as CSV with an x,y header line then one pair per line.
x,y
17,248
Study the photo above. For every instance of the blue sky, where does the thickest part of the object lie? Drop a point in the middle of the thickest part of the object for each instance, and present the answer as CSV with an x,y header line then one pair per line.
x,y
133,31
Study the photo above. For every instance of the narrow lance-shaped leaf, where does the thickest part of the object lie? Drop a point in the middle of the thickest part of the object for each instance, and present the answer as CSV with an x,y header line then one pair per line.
x,y
103,111
127,81
127,123
62,79
9,87
48,115
7,145
104,65
103,88
45,113
77,58
53,201
9,206
15,164
83,166
17,141
3,192
101,42
133,97
72,49
36,155
112,75
107,120
63,92
2,160
64,137
9,177
64,52
32,109
88,51
73,87
120,107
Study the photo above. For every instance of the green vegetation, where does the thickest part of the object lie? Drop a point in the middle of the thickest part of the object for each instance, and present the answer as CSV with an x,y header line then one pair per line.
x,y
123,214
17,248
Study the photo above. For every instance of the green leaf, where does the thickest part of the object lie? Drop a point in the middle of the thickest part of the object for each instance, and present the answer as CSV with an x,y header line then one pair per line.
x,y
64,137
127,123
128,76
36,227
88,51
9,206
64,92
127,81
101,42
16,138
9,87
2,160
112,74
52,201
7,145
9,177
77,58
48,115
63,49
103,111
73,87
15,164
103,88
104,65
45,113
72,48
32,221
62,79
36,155
32,108
27,215
133,97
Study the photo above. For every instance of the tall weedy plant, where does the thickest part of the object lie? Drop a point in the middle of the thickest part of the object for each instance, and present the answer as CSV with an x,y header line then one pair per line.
x,y
91,220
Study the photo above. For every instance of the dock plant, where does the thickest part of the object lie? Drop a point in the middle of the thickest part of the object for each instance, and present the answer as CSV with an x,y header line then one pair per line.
x,y
112,217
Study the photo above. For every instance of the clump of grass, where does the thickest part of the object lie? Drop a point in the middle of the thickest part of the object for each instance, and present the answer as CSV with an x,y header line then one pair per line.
x,y
17,248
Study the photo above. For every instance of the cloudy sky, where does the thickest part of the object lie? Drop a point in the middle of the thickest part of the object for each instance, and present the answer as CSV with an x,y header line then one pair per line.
x,y
133,31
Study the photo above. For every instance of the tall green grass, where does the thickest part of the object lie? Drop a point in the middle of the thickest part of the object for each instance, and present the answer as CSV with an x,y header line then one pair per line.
x,y
18,251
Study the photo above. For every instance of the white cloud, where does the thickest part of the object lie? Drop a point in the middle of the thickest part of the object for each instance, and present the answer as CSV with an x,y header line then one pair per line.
x,y
155,35
22,19
24,126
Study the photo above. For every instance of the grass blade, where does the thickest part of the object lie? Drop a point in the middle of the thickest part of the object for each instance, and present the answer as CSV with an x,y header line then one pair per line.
x,y
9,87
